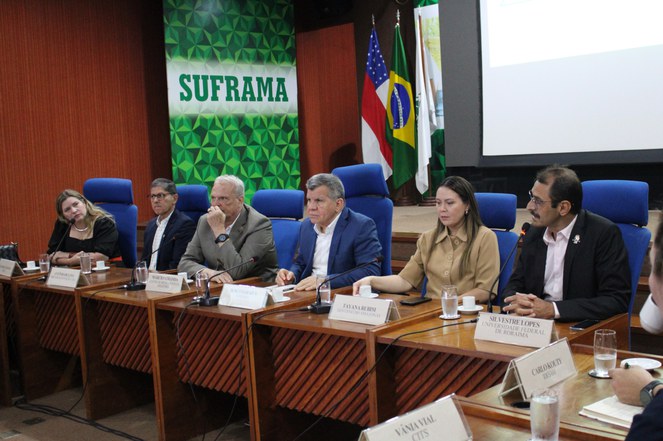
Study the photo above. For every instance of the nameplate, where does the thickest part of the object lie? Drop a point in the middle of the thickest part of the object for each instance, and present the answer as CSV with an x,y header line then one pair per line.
x,y
169,283
540,369
66,278
9,268
444,416
362,310
244,296
514,330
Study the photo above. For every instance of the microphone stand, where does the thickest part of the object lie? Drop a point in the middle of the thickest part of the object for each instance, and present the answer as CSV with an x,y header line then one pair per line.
x,y
207,300
323,308
489,304
135,285
57,248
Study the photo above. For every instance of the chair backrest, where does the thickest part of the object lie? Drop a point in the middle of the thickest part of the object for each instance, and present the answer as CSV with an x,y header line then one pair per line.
x,y
192,200
285,208
366,192
116,196
626,203
498,212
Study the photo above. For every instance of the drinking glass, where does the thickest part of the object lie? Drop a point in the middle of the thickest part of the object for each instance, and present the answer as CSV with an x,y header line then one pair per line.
x,y
605,351
44,263
544,415
449,302
201,283
142,273
86,263
324,288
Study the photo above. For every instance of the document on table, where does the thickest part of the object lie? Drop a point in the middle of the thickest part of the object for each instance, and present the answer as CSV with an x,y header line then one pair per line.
x,y
611,410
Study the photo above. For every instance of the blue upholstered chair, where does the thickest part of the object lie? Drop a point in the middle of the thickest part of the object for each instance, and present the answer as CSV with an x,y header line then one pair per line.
x,y
116,196
366,192
193,200
626,203
285,208
498,212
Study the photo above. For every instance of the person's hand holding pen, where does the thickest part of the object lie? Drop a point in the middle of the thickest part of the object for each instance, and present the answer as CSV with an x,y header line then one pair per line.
x,y
627,382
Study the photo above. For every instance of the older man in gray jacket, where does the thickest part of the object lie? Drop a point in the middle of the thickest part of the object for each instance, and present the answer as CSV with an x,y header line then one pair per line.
x,y
231,233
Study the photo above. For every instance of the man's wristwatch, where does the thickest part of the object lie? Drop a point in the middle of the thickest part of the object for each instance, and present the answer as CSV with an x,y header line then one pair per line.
x,y
221,238
647,392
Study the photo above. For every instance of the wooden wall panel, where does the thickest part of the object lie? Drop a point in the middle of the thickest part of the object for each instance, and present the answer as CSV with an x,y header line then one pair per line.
x,y
82,94
328,113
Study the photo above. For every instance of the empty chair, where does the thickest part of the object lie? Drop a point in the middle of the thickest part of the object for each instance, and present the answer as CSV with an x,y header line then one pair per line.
x,y
193,200
285,208
626,203
115,195
366,192
498,212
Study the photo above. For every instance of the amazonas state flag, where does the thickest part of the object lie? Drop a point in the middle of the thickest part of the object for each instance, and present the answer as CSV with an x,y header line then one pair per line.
x,y
400,125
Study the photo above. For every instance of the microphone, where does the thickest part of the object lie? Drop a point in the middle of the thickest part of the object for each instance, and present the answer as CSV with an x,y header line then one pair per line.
x,y
66,233
489,304
323,308
57,248
135,285
206,300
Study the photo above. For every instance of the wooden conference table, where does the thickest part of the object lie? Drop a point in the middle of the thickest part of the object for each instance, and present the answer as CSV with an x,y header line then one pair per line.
x,y
574,393
8,338
297,366
305,365
48,332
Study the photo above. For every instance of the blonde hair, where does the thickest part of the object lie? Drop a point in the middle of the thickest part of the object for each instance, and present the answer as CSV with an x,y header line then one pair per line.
x,y
93,212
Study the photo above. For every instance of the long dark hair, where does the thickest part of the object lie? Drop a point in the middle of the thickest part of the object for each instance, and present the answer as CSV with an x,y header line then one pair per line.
x,y
472,219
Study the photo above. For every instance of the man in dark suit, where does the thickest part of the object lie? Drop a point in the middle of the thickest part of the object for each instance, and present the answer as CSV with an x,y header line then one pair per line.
x,y
168,234
332,239
229,236
573,264
634,385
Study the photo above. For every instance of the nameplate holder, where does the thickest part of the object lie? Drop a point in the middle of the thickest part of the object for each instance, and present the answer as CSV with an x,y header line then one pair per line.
x,y
444,416
9,268
515,330
244,296
539,369
66,278
362,310
168,283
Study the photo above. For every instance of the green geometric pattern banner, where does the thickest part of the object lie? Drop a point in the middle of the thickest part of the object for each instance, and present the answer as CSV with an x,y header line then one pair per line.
x,y
232,91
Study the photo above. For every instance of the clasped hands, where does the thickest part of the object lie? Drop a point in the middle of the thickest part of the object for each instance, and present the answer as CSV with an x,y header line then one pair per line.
x,y
529,305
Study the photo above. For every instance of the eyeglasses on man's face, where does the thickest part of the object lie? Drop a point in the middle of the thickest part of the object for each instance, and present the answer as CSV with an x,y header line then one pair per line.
x,y
158,196
537,201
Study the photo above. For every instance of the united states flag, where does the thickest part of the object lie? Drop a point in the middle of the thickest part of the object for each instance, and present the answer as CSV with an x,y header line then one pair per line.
x,y
373,109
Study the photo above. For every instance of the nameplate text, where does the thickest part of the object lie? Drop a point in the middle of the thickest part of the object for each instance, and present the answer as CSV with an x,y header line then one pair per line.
x,y
442,419
168,283
243,296
514,330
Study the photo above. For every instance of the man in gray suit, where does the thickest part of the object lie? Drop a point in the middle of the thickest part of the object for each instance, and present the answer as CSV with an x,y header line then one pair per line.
x,y
231,233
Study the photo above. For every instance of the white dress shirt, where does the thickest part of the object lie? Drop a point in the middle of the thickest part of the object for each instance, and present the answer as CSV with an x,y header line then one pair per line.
x,y
322,247
553,279
156,242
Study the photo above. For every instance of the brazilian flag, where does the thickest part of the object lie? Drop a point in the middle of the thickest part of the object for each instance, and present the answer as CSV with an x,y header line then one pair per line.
x,y
400,126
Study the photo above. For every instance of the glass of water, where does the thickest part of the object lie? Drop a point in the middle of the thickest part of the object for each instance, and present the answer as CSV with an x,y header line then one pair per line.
x,y
449,302
86,263
142,273
201,283
324,287
44,263
544,415
605,352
